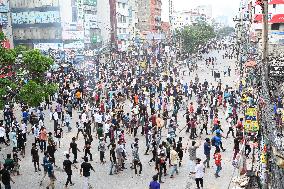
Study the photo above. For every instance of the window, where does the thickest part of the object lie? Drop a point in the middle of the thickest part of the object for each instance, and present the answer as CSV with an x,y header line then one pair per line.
x,y
118,4
124,30
275,26
274,6
123,5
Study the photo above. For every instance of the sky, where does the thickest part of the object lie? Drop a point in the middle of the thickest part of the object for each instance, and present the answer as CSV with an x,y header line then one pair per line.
x,y
220,7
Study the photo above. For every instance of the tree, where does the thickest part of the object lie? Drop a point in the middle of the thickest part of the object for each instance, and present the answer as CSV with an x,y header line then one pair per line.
x,y
195,36
28,80
225,31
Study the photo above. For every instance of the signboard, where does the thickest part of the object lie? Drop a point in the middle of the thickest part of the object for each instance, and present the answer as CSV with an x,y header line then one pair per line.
x,y
276,71
73,35
46,46
90,2
251,123
91,17
35,17
74,45
4,20
73,26
4,6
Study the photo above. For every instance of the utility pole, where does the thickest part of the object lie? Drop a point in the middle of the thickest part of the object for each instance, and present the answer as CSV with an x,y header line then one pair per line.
x,y
265,40
264,66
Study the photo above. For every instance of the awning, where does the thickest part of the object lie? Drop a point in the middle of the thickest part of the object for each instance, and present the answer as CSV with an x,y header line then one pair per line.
x,y
257,18
250,64
276,2
278,18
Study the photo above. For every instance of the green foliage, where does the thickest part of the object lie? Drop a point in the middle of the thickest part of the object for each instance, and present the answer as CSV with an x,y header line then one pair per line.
x,y
31,93
50,89
226,31
2,36
194,36
35,62
20,49
32,67
7,56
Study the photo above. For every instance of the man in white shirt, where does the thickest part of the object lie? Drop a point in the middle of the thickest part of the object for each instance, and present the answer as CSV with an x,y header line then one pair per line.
x,y
55,119
106,129
99,119
84,117
199,173
2,135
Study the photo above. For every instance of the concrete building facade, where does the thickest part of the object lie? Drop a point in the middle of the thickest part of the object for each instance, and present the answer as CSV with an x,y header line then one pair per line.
x,y
149,16
36,22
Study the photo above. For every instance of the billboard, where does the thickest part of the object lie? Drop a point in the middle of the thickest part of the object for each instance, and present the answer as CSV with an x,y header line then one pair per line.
x,y
3,20
90,2
74,45
73,35
36,17
73,26
46,46
4,6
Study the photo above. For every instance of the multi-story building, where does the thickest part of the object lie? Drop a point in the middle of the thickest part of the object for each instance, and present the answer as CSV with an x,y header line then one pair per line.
x,y
205,10
5,23
104,21
122,24
36,23
149,16
133,19
275,21
181,19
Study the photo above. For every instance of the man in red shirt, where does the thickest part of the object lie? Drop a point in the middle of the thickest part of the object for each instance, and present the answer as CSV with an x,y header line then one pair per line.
x,y
218,159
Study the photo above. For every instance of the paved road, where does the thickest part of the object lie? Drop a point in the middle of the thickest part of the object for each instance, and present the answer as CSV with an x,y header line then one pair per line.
x,y
126,180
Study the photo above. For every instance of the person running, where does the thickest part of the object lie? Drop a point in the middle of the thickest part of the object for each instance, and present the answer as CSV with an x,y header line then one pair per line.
x,y
67,166
218,159
58,135
86,167
45,166
51,175
136,159
35,157
207,149
174,156
192,155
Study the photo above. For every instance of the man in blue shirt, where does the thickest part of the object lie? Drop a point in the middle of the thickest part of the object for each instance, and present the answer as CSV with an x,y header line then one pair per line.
x,y
154,184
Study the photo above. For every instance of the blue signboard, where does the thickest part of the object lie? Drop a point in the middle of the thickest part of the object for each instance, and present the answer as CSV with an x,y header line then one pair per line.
x,y
277,33
36,17
4,20
4,6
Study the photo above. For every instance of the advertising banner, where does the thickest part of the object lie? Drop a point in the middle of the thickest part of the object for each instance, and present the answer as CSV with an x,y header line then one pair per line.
x,y
74,45
4,20
46,46
4,6
73,35
35,17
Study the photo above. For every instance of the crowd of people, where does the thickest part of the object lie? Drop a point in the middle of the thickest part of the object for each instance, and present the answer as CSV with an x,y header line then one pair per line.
x,y
114,102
